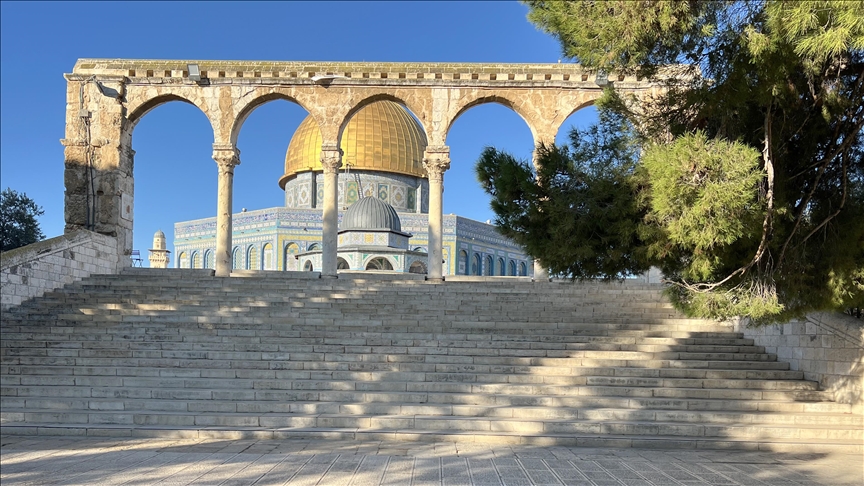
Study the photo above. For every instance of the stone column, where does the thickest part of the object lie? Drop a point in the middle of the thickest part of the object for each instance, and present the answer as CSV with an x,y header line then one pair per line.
x,y
436,160
544,135
227,157
331,161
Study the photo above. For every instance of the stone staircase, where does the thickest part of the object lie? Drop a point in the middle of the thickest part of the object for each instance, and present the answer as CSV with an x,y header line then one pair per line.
x,y
179,353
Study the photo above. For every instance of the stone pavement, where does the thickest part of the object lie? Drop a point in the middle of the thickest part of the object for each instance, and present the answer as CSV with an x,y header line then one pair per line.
x,y
109,461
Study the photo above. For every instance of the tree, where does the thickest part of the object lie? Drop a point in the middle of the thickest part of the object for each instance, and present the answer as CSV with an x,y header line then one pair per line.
x,y
577,211
751,176
18,225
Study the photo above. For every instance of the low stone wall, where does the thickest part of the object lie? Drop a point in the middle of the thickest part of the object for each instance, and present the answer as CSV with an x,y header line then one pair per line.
x,y
32,270
827,347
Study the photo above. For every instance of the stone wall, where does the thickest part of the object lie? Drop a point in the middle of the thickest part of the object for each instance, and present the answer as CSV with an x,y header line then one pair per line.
x,y
827,347
32,270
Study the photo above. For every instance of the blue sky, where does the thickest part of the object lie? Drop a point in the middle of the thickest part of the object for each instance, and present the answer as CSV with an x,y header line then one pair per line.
x,y
175,178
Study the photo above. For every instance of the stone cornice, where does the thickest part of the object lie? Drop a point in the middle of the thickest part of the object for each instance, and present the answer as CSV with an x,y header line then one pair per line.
x,y
292,73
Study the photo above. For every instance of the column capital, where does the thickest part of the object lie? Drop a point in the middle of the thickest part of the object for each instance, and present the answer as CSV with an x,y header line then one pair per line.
x,y
436,160
226,155
331,157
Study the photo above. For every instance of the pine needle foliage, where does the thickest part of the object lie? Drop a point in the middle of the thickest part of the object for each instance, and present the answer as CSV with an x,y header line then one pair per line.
x,y
748,189
575,212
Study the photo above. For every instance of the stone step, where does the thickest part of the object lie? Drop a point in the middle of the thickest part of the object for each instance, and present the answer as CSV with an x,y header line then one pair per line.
x,y
597,325
398,328
297,379
306,334
333,361
379,353
17,406
378,371
502,438
476,394
268,353
497,384
569,426
275,292
311,344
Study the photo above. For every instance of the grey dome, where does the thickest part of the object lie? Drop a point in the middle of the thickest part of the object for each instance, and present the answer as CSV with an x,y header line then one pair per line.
x,y
371,213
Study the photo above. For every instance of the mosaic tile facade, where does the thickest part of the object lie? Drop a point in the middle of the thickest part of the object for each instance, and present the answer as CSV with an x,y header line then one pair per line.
x,y
400,191
293,231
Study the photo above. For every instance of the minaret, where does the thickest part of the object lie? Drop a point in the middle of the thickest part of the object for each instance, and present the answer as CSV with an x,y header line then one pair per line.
x,y
158,254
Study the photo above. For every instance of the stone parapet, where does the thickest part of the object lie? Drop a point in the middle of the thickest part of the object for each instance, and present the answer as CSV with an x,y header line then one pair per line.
x,y
827,347
32,270
149,71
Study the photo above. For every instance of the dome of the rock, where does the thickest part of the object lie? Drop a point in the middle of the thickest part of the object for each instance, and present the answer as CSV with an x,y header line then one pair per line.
x,y
382,136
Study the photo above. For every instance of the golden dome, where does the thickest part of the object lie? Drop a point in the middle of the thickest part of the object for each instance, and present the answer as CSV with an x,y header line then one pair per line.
x,y
382,136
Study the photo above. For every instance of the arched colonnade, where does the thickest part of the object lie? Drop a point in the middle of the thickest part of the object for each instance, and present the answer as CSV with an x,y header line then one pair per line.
x,y
106,99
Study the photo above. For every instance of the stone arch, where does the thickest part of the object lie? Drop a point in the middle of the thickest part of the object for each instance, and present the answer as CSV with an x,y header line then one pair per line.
x,y
140,104
523,269
583,104
502,268
342,264
252,262
235,258
417,266
378,262
208,258
476,265
313,247
512,268
288,252
308,267
258,100
484,99
267,257
183,260
420,249
463,263
382,97
195,261
137,112
489,267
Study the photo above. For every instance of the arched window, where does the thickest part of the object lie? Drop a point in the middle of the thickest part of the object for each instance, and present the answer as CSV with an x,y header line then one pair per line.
x,y
489,270
523,270
288,260
252,258
307,267
208,259
183,260
196,260
512,271
379,263
417,267
501,268
235,258
420,249
267,252
463,263
313,247
342,264
475,264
